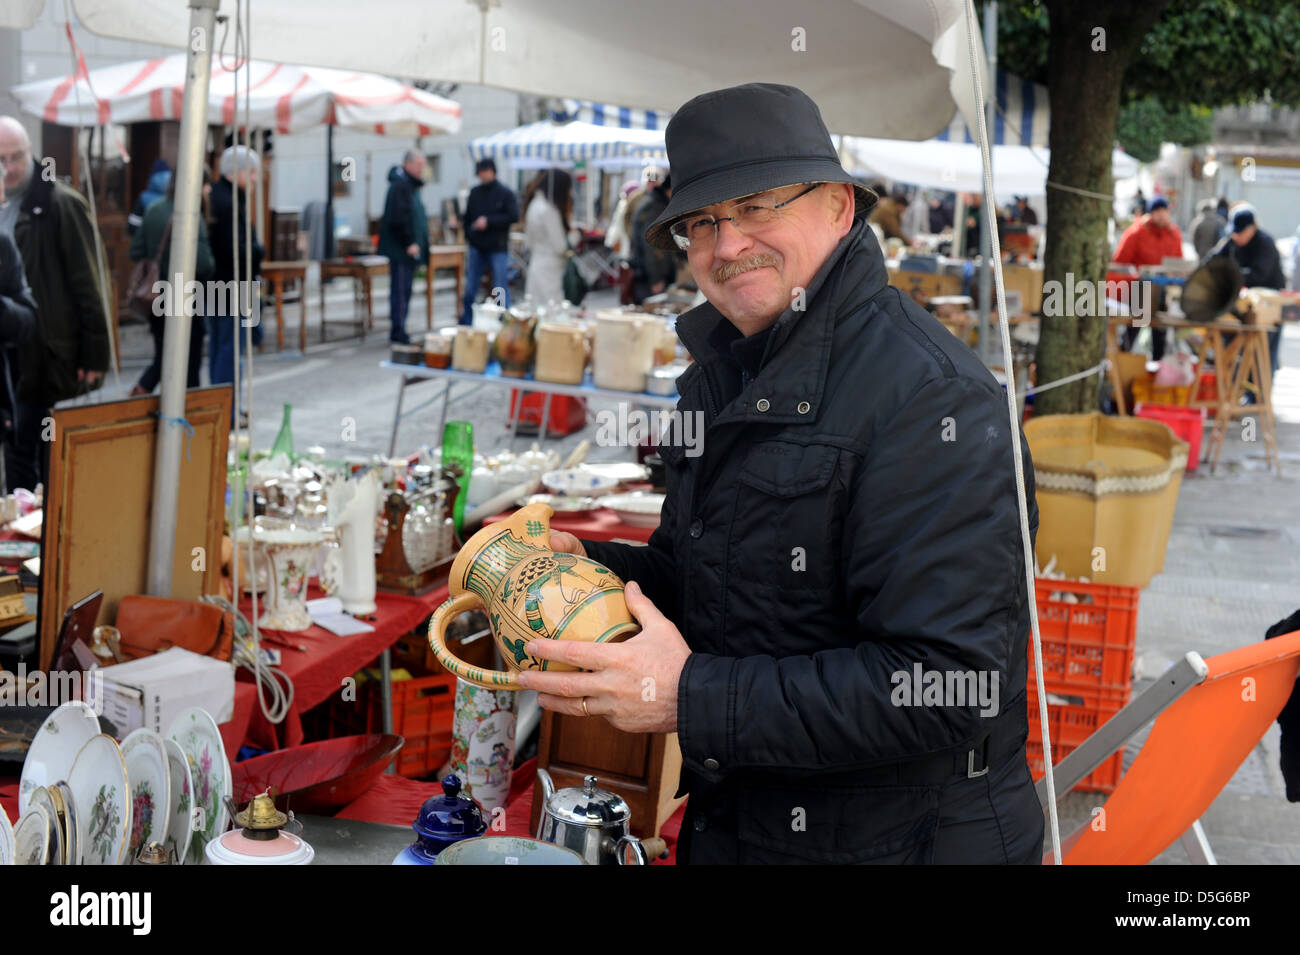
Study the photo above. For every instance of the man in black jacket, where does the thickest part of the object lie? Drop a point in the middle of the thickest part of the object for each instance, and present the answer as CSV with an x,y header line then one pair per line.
x,y
403,238
1256,255
490,210
653,269
17,324
833,608
68,354
240,171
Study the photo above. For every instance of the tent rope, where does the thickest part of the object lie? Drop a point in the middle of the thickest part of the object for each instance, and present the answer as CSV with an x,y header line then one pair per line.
x,y
1004,329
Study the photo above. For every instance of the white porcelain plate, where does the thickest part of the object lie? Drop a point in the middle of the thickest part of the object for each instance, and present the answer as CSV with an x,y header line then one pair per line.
x,y
179,816
54,748
639,509
65,815
150,778
196,732
32,837
578,482
55,853
6,839
102,798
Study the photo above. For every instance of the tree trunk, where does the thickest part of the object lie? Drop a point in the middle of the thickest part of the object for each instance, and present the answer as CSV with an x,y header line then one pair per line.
x,y
1089,48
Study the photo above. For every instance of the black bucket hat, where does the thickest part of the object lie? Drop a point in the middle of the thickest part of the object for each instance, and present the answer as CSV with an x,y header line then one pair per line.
x,y
742,140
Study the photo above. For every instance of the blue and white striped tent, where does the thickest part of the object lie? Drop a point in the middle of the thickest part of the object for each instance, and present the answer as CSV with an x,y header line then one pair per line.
x,y
607,114
1021,117
568,142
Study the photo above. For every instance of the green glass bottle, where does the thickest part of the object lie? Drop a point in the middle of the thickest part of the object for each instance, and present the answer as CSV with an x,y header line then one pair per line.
x,y
284,440
458,455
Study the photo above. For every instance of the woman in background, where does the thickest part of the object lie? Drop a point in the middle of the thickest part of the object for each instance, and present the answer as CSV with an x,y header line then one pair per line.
x,y
548,201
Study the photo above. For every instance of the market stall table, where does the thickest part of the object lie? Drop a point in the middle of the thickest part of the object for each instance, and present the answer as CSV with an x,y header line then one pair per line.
x,y
443,257
277,274
319,671
362,270
492,377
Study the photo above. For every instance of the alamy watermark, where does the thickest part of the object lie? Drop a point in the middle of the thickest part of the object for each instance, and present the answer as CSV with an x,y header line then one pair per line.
x,y
174,298
629,427
921,687
19,688
1089,299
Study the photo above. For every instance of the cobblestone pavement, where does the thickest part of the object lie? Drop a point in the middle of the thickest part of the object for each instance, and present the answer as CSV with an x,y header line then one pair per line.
x,y
1232,567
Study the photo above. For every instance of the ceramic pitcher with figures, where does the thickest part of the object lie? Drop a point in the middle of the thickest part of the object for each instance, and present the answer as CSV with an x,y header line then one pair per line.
x,y
530,593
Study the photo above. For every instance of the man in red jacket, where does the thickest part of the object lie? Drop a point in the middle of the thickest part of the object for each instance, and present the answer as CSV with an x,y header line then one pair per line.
x,y
1148,241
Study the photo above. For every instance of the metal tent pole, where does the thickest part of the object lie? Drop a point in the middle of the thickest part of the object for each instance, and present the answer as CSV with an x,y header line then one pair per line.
x,y
176,342
990,201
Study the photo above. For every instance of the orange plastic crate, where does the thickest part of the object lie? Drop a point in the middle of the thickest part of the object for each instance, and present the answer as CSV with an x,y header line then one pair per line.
x,y
1086,645
423,711
1070,723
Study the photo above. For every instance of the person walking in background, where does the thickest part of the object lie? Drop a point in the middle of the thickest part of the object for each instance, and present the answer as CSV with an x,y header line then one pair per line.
x,y
403,238
160,179
146,244
1207,228
1149,241
653,269
548,202
17,325
240,170
490,210
68,354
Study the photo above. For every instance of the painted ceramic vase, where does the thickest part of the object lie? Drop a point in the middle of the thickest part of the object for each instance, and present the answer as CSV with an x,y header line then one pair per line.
x,y
515,345
483,743
530,593
291,554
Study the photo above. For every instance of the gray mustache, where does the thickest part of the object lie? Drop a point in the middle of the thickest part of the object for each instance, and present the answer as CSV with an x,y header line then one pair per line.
x,y
732,269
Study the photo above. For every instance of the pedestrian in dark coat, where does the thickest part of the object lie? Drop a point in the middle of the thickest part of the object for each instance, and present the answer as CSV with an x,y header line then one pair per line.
x,y
840,534
17,325
69,353
404,238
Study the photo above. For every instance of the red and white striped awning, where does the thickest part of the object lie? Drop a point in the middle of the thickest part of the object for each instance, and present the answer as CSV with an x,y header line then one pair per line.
x,y
284,98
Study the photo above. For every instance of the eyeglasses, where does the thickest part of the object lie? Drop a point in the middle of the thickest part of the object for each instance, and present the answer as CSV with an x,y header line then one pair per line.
x,y
748,215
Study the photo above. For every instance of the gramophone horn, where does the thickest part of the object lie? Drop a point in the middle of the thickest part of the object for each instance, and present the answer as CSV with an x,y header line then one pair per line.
x,y
1211,290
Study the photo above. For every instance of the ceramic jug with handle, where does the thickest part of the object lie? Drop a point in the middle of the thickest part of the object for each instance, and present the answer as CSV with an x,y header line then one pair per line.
x,y
515,346
349,568
530,593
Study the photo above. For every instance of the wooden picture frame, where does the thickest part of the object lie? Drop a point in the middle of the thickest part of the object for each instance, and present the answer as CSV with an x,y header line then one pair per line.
x,y
100,497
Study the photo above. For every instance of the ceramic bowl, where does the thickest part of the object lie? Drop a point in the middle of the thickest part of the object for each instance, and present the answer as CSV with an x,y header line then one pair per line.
x,y
55,748
639,509
507,850
578,482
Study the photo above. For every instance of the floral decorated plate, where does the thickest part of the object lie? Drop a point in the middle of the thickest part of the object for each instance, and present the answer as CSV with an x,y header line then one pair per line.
x,y
196,732
32,837
102,798
56,853
6,839
55,746
150,778
180,813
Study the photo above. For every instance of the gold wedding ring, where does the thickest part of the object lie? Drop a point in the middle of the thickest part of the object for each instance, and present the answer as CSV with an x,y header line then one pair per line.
x,y
584,707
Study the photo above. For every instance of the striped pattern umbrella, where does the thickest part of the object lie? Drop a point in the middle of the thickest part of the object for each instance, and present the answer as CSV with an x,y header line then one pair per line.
x,y
568,142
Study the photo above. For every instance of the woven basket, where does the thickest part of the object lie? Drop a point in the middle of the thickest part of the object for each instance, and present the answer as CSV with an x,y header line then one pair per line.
x,y
1109,483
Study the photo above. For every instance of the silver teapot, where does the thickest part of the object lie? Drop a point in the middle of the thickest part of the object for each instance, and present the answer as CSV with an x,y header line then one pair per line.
x,y
593,822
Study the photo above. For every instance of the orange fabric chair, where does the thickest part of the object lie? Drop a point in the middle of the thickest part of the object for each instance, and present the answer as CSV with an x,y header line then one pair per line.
x,y
1194,748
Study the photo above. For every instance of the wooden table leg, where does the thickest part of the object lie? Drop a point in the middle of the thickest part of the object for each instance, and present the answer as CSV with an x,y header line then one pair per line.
x,y
277,289
302,317
428,294
1264,382
460,284
1116,384
322,307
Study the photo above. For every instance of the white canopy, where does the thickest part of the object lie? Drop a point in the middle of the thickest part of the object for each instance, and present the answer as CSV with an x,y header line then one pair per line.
x,y
284,98
956,167
875,67
568,142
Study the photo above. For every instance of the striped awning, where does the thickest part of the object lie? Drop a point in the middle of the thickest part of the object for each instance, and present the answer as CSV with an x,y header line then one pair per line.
x,y
573,141
607,114
1021,117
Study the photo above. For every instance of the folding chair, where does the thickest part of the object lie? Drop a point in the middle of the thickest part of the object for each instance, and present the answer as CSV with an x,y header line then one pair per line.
x,y
1209,715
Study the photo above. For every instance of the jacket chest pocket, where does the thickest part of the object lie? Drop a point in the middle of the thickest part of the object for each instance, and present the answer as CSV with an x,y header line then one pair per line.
x,y
788,517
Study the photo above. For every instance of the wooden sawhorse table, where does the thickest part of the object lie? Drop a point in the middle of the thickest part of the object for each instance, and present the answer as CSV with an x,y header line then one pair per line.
x,y
278,274
362,269
443,257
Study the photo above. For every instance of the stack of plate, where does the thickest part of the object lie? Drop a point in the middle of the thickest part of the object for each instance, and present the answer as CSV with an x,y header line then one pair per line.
x,y
85,800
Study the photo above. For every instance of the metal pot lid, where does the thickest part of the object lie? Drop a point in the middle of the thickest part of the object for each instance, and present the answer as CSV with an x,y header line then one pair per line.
x,y
588,805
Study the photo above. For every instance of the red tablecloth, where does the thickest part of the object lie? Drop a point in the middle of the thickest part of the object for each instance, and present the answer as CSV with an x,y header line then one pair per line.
x,y
597,525
321,669
396,800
